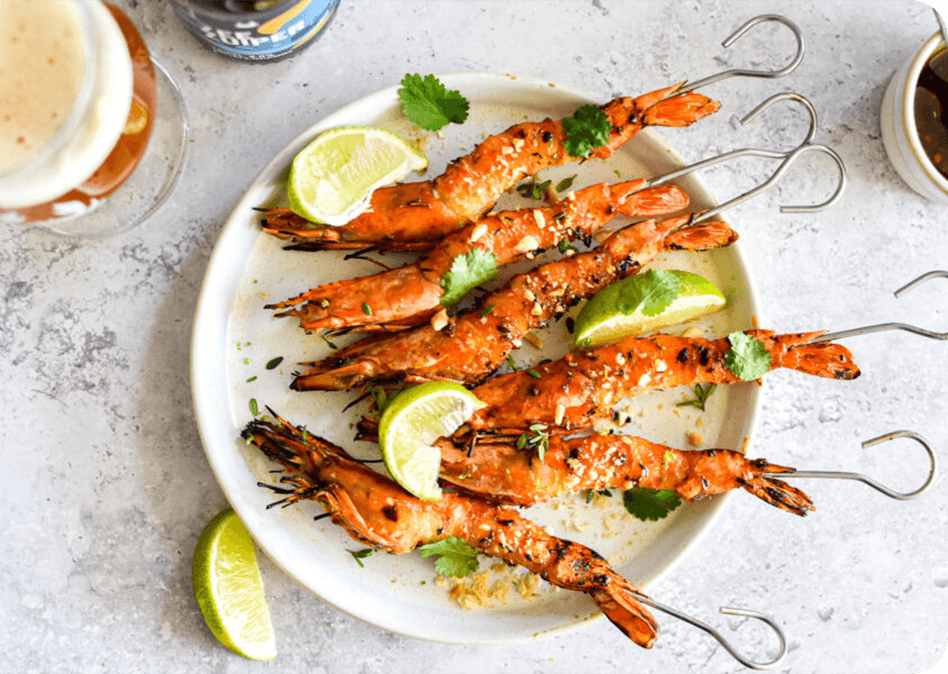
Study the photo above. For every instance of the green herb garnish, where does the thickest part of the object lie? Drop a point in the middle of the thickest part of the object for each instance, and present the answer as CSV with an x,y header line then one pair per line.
x,y
533,189
650,504
380,397
274,362
748,358
360,555
466,273
455,557
533,373
429,104
254,410
586,130
565,245
565,183
487,310
702,393
535,438
657,291
366,309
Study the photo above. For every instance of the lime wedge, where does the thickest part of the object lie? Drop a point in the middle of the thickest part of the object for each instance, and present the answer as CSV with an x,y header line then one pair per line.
x,y
413,420
229,590
645,303
332,179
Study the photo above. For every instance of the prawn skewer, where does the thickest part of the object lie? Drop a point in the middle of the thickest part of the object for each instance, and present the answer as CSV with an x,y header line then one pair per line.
x,y
570,394
415,216
471,345
376,511
410,295
583,386
501,473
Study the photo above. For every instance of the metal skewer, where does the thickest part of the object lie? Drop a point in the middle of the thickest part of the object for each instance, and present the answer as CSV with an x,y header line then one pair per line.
x,y
744,152
833,336
899,496
784,165
782,651
741,72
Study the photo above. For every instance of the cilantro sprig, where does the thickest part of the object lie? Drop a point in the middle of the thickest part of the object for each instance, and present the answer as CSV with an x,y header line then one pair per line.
x,y
658,289
748,358
586,130
650,504
466,273
429,104
454,557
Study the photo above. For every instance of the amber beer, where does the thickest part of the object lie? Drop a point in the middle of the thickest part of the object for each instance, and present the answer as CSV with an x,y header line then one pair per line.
x,y
77,101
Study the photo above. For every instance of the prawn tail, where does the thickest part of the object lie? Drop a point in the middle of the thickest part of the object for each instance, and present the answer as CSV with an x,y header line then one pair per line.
x,y
653,201
617,600
762,484
703,236
820,359
679,110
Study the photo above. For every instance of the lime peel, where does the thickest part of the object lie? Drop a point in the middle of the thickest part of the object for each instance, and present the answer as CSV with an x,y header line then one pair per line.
x,y
409,426
332,179
228,588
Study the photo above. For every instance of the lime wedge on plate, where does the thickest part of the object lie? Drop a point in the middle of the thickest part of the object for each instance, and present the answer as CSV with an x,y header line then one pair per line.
x,y
413,420
645,303
229,590
331,181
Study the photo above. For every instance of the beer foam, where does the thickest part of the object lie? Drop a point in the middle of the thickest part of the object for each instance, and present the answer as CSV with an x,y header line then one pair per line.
x,y
42,66
58,72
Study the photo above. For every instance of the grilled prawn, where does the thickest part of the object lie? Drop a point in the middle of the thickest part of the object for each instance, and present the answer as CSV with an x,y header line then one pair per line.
x,y
374,510
416,216
570,394
410,295
504,474
471,345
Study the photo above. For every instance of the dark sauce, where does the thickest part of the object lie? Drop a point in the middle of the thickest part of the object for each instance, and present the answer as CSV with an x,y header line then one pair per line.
x,y
931,102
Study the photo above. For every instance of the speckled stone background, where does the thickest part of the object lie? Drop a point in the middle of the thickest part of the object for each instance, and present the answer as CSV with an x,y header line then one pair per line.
x,y
106,486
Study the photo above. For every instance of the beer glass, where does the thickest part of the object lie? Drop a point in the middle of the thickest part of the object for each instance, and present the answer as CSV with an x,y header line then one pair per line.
x,y
93,132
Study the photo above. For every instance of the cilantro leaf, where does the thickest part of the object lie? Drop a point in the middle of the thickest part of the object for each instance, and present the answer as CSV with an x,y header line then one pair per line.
x,y
653,292
650,504
429,104
748,358
586,130
455,557
466,273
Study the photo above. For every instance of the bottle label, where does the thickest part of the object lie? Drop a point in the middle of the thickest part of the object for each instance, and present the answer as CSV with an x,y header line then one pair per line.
x,y
258,37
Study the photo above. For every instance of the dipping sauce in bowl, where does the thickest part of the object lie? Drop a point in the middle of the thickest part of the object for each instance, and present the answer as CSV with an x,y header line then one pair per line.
x,y
913,125
931,101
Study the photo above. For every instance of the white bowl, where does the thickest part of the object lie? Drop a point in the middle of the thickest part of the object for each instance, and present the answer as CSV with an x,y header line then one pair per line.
x,y
900,134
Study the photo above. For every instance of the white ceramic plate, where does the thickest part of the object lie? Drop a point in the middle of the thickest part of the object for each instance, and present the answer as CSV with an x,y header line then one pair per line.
x,y
234,337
